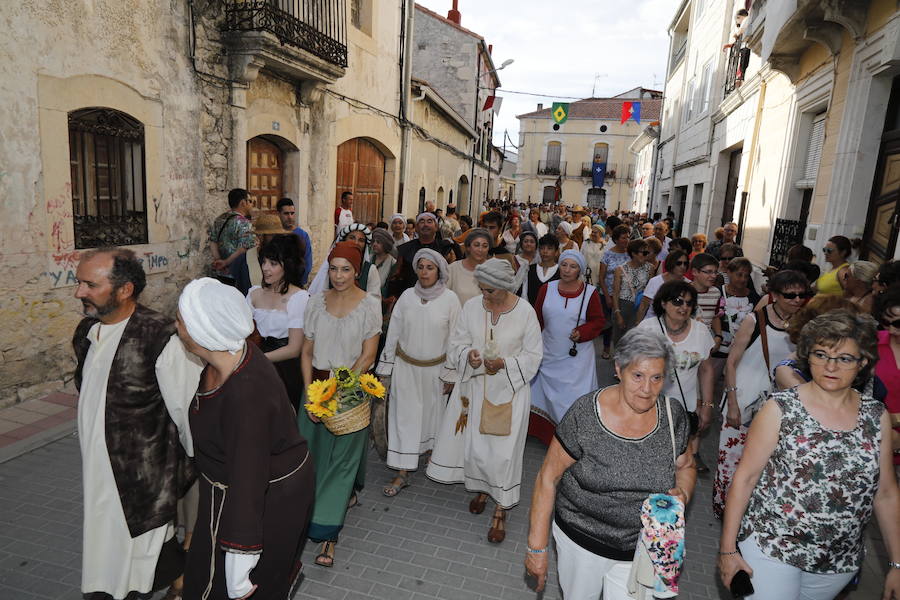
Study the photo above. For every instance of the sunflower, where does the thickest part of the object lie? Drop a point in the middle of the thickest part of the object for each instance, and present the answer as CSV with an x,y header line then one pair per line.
x,y
371,385
320,398
345,377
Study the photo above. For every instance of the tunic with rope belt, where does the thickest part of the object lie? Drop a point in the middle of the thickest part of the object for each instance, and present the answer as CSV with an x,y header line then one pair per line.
x,y
244,438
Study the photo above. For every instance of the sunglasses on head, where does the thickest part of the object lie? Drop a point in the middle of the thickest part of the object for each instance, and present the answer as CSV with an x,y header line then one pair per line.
x,y
679,301
792,295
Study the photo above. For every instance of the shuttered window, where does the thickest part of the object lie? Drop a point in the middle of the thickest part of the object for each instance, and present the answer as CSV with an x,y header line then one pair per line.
x,y
554,153
813,153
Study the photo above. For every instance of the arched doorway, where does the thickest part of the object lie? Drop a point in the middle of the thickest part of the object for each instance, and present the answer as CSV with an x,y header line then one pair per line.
x,y
462,193
360,170
265,173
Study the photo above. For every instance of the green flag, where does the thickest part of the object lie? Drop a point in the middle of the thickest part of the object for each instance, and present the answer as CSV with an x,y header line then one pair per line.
x,y
560,112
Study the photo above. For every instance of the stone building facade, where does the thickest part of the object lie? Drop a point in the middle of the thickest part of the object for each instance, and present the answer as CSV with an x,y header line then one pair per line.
x,y
795,143
593,129
128,123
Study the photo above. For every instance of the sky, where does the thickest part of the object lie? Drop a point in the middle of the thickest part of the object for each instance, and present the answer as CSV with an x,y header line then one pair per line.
x,y
559,47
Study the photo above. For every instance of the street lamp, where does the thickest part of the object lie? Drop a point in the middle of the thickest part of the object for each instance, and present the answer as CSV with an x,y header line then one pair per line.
x,y
503,65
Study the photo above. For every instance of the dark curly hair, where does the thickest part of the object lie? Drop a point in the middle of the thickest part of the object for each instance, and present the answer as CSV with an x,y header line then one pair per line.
x,y
284,249
670,291
127,268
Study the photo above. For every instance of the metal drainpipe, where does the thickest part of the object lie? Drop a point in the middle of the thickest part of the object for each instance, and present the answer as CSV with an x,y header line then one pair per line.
x,y
405,84
475,125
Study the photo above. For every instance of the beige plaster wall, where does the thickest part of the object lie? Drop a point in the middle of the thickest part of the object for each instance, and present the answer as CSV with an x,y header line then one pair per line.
x,y
60,56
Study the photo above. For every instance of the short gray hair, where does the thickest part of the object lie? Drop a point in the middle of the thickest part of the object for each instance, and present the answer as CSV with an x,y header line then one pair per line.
x,y
638,344
834,327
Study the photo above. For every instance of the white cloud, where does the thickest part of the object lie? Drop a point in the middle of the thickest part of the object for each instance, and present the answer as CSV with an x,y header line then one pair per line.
x,y
558,47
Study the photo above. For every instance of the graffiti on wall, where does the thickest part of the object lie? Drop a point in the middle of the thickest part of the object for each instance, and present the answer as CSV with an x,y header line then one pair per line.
x,y
62,265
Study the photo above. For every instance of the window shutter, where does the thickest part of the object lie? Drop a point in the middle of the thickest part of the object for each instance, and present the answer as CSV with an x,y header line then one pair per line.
x,y
814,152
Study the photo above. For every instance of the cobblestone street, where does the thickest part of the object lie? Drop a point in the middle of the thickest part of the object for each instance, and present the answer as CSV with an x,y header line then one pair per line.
x,y
421,544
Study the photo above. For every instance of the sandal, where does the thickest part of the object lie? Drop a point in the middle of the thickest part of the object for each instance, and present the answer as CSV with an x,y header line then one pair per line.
x,y
476,506
325,558
354,501
497,532
393,488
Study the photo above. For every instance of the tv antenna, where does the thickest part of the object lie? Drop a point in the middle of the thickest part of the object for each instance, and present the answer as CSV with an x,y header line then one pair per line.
x,y
597,77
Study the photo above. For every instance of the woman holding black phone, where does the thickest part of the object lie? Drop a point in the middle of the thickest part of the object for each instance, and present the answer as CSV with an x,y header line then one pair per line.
x,y
816,465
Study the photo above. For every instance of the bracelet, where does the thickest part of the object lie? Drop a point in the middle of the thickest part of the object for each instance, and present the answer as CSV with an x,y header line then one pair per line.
x,y
729,553
617,311
719,336
534,551
730,389
894,565
709,404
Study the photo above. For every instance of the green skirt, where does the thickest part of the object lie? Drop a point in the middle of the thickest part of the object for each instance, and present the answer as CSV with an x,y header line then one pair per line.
x,y
340,462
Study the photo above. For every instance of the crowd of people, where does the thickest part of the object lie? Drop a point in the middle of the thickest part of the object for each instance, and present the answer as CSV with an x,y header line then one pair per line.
x,y
486,330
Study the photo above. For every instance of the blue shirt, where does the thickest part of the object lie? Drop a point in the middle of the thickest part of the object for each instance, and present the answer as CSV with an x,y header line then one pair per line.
x,y
307,258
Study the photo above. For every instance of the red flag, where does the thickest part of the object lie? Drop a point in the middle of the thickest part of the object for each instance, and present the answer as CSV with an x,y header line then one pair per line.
x,y
489,103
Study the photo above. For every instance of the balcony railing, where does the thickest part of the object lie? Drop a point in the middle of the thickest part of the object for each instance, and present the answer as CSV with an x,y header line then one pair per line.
x,y
554,167
787,233
734,72
317,26
587,169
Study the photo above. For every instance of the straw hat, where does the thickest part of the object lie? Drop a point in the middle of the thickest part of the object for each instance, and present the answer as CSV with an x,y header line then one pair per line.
x,y
267,223
578,209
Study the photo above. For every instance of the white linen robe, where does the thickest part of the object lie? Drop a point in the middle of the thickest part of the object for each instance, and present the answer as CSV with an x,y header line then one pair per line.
x,y
416,395
488,463
113,561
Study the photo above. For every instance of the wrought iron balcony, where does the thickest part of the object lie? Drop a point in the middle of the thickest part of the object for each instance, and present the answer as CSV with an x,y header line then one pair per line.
x,y
553,167
734,70
787,233
316,26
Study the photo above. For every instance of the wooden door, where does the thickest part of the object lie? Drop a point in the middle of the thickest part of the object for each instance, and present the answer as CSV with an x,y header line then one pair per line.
x,y
265,173
360,170
883,222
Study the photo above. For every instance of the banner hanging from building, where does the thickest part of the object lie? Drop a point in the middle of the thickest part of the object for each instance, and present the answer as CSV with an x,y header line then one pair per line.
x,y
631,110
598,174
560,112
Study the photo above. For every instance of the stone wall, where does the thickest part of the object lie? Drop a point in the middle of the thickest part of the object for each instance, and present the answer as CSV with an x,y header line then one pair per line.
x,y
132,56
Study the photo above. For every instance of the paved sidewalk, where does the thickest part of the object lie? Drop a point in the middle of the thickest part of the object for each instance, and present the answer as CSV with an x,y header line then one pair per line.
x,y
31,424
421,544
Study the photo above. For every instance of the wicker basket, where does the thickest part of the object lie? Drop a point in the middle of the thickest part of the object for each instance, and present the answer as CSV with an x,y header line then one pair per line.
x,y
351,421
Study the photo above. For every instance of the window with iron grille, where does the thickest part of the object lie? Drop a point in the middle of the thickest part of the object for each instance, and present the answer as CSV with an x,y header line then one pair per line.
x,y
106,156
356,13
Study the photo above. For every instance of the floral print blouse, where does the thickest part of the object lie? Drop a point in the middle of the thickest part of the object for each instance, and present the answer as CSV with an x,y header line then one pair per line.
x,y
814,497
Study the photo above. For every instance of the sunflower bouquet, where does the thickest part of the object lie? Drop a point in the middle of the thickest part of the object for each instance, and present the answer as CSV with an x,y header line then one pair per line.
x,y
342,402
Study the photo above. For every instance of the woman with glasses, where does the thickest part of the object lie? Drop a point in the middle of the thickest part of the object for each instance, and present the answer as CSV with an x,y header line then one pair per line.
x,y
698,244
888,311
727,253
817,463
761,343
837,250
676,265
691,379
629,281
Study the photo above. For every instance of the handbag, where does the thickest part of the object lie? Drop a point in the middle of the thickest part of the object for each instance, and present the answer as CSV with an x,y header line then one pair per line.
x,y
642,578
496,419
762,396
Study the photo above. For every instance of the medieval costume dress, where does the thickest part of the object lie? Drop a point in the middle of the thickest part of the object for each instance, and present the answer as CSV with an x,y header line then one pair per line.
x,y
414,356
256,482
339,459
486,463
135,383
557,386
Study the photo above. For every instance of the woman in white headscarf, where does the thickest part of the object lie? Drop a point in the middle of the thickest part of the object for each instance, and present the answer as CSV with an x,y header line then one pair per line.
x,y
564,235
495,351
412,365
256,475
571,316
